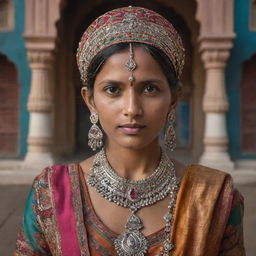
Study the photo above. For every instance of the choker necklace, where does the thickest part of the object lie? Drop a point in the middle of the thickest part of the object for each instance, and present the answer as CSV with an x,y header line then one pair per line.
x,y
135,194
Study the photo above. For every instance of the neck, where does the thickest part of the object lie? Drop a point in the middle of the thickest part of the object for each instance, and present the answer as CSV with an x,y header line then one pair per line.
x,y
134,164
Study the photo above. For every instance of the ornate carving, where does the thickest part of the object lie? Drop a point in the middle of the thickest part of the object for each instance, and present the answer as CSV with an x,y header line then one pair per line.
x,y
216,40
40,57
39,144
215,17
215,59
216,141
41,17
41,94
216,37
7,16
40,36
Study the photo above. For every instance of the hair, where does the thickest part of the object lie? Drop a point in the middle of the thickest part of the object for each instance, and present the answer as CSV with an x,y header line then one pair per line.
x,y
165,63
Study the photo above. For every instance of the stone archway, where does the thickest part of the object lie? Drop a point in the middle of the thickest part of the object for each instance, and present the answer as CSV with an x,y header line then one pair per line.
x,y
248,107
216,35
9,108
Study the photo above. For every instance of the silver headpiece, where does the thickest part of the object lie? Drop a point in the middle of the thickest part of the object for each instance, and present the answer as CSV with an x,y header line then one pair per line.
x,y
130,24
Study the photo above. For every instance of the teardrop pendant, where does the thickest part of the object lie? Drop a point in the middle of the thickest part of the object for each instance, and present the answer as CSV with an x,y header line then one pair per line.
x,y
132,242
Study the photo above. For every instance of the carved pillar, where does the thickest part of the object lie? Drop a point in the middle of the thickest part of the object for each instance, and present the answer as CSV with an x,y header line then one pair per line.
x,y
216,20
215,54
40,105
40,36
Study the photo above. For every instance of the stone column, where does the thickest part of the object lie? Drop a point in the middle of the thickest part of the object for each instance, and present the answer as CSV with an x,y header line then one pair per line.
x,y
40,38
215,53
40,105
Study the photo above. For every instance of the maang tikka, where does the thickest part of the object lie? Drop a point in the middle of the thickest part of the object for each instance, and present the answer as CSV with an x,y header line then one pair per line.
x,y
95,134
169,137
131,64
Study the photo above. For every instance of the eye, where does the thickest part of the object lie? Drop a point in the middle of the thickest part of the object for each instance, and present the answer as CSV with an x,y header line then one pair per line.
x,y
150,89
114,90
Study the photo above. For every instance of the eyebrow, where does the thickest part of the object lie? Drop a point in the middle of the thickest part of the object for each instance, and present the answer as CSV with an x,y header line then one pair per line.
x,y
148,81
112,82
116,82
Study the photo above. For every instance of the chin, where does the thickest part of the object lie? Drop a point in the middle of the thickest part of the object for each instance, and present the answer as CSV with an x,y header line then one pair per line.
x,y
136,143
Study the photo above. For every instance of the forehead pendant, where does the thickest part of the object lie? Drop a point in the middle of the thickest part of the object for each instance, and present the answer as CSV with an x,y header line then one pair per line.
x,y
131,64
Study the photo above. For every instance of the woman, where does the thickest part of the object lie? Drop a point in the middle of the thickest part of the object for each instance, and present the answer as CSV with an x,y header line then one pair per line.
x,y
130,198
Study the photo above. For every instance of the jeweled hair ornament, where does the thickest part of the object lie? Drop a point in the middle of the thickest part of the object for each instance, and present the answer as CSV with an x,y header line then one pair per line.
x,y
131,64
130,24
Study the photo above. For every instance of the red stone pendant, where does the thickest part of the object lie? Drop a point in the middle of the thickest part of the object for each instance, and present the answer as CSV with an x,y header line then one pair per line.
x,y
133,194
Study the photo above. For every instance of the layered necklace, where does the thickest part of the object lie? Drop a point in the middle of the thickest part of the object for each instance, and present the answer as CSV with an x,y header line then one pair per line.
x,y
135,195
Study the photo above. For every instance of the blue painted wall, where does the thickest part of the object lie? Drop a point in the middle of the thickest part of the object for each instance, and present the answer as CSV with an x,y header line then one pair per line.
x,y
12,45
244,48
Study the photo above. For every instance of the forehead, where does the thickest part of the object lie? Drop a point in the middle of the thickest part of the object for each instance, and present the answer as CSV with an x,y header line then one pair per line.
x,y
146,64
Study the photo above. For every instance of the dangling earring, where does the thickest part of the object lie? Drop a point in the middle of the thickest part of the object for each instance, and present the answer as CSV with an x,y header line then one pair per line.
x,y
169,137
95,134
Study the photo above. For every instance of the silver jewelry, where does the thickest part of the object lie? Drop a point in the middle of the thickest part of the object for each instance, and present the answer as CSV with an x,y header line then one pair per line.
x,y
131,64
168,217
131,24
133,195
95,134
169,137
132,242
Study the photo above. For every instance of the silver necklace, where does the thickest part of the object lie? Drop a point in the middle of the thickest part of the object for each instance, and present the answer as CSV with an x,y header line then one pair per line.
x,y
135,195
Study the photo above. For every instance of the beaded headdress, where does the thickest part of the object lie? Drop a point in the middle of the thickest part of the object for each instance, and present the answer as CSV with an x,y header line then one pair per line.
x,y
130,24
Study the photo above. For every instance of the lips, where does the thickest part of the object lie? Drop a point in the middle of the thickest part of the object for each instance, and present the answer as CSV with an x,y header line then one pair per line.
x,y
131,128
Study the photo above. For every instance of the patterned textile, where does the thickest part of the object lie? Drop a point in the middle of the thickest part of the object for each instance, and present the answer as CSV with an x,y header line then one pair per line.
x,y
232,242
130,24
59,219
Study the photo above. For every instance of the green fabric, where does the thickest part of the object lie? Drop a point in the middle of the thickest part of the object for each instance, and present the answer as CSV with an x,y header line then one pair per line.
x,y
235,217
30,225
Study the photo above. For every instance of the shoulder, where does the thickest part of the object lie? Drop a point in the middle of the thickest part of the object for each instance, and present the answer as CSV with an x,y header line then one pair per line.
x,y
203,173
198,179
86,165
55,175
53,184
49,171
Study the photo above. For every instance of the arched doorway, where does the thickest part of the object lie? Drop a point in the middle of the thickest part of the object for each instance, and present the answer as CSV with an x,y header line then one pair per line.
x,y
210,48
248,107
72,117
9,108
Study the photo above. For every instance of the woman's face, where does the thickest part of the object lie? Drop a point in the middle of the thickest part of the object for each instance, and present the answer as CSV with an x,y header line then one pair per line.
x,y
131,115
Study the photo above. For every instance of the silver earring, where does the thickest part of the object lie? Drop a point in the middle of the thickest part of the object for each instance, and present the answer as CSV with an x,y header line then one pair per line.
x,y
95,134
169,137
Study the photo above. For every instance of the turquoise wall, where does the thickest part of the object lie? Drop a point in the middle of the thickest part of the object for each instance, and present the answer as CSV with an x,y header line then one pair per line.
x,y
244,48
12,45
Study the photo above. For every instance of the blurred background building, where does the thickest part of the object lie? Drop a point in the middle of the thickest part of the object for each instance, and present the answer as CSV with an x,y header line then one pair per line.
x,y
44,121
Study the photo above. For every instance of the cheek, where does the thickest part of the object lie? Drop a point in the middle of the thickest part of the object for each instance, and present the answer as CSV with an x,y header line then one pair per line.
x,y
107,111
159,117
157,114
159,106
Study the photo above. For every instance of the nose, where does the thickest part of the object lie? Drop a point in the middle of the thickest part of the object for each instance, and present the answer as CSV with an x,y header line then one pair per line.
x,y
132,106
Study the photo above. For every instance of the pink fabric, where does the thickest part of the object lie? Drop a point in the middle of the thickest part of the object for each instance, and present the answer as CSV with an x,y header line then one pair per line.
x,y
65,211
